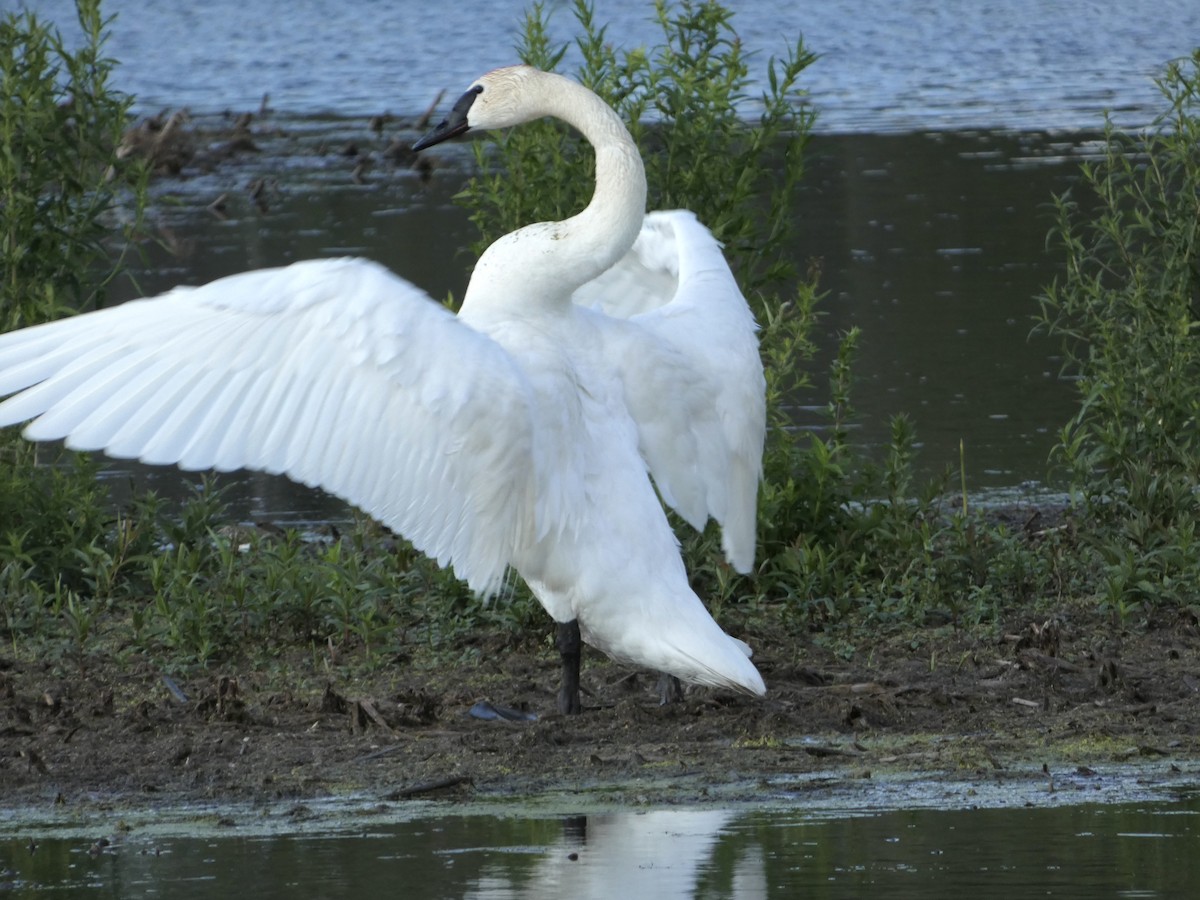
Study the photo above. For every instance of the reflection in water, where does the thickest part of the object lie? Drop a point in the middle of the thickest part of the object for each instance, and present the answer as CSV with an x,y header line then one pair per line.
x,y
1045,848
661,854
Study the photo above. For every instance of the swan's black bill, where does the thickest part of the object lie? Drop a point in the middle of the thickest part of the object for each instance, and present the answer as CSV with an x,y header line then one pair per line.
x,y
454,124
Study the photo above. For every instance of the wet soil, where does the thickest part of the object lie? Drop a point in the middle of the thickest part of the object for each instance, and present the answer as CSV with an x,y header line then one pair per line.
x,y
1070,691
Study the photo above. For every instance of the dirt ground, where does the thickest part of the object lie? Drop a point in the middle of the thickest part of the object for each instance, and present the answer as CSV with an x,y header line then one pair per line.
x,y
1067,691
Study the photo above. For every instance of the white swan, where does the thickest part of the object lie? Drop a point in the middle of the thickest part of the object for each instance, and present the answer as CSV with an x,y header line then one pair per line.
x,y
517,433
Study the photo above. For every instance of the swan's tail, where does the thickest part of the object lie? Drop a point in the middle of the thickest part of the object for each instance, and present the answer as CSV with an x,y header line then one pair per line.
x,y
696,650
729,669
671,631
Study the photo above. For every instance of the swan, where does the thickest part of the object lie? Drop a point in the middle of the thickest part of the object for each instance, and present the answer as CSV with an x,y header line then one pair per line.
x,y
588,356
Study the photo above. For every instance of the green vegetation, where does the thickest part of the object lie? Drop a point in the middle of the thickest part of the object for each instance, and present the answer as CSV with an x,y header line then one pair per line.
x,y
1127,309
851,546
686,102
65,218
59,124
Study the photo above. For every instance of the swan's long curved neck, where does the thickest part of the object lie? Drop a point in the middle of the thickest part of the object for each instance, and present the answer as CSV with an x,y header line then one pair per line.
x,y
618,204
551,259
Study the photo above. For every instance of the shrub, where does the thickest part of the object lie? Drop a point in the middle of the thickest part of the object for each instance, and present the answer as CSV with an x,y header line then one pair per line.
x,y
60,122
684,102
1127,310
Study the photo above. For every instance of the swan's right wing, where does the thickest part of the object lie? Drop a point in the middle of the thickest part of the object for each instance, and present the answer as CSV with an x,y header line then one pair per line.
x,y
684,342
644,279
334,372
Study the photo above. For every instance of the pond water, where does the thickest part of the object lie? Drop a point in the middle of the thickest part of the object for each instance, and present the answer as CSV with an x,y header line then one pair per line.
x,y
1141,849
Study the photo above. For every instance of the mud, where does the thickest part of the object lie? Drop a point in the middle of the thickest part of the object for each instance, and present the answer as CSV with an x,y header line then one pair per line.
x,y
1053,702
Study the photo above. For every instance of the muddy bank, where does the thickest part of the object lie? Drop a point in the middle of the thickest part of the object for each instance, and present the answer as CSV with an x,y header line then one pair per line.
x,y
1069,692
830,792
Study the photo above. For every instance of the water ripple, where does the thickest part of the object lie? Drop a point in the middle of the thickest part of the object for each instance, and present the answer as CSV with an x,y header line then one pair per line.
x,y
884,66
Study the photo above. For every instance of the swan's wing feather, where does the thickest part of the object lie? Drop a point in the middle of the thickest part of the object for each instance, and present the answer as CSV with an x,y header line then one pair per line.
x,y
334,372
692,374
646,278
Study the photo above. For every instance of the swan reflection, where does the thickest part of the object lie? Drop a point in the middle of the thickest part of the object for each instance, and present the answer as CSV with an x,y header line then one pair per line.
x,y
630,855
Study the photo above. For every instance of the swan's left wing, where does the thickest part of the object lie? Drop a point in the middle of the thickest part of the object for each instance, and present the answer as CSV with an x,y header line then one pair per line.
x,y
336,373
683,340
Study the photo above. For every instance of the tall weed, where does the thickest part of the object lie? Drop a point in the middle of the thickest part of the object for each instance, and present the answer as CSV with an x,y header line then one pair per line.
x,y
60,122
709,144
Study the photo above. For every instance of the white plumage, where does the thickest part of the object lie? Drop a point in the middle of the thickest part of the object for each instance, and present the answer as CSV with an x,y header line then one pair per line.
x,y
517,433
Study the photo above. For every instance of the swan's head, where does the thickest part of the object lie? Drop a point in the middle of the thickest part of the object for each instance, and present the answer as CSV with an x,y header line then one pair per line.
x,y
500,99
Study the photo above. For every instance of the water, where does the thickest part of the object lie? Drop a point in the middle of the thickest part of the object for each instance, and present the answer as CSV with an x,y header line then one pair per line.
x,y
944,129
885,65
1141,849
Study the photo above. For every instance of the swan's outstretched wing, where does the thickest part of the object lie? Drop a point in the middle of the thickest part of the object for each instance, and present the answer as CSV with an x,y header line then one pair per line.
x,y
335,372
693,377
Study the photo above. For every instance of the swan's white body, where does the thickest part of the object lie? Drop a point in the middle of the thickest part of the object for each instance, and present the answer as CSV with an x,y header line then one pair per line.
x,y
518,433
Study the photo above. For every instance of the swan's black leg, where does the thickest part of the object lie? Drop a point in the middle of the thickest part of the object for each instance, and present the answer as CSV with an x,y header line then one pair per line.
x,y
670,689
570,646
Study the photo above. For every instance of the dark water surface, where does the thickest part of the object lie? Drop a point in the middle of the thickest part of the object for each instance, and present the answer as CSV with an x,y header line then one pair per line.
x,y
1145,849
933,243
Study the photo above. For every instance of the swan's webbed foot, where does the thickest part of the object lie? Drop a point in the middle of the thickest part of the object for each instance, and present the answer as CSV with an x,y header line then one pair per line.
x,y
670,689
570,648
